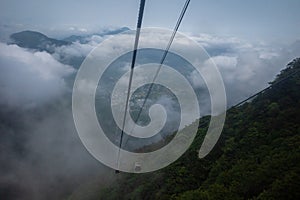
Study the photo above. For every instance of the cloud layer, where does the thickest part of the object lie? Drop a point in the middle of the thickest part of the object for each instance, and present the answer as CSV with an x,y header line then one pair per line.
x,y
30,78
42,155
246,67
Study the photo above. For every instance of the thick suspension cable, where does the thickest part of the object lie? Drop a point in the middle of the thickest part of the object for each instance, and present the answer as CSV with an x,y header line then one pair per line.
x,y
163,58
136,42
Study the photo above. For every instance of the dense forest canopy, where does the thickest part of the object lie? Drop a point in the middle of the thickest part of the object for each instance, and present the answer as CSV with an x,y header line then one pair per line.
x,y
257,156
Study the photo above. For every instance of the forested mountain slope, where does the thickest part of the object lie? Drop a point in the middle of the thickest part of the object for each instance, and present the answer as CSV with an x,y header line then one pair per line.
x,y
257,156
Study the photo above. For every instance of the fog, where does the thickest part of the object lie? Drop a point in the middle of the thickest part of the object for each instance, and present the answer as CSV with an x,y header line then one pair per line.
x,y
41,154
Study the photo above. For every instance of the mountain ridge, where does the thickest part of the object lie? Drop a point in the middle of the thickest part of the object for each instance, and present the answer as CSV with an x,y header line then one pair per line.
x,y
82,38
257,156
36,40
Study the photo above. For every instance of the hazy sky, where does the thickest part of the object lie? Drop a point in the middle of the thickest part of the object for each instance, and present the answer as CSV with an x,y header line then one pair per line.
x,y
257,20
241,36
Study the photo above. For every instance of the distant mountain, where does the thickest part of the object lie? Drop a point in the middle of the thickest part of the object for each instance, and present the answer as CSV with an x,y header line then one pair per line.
x,y
83,39
40,42
114,32
37,41
75,38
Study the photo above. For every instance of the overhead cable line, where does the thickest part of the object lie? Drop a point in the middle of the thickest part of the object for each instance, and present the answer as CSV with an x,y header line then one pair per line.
x,y
274,84
163,58
260,92
136,42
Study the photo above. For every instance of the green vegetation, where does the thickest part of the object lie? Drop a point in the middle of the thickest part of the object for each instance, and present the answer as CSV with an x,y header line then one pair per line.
x,y
257,156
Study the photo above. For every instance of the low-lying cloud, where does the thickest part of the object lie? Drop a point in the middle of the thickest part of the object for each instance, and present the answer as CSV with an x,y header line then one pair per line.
x,y
30,78
41,155
246,67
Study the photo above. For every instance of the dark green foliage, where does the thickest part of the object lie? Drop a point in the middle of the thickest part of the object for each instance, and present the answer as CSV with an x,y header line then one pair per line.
x,y
257,156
